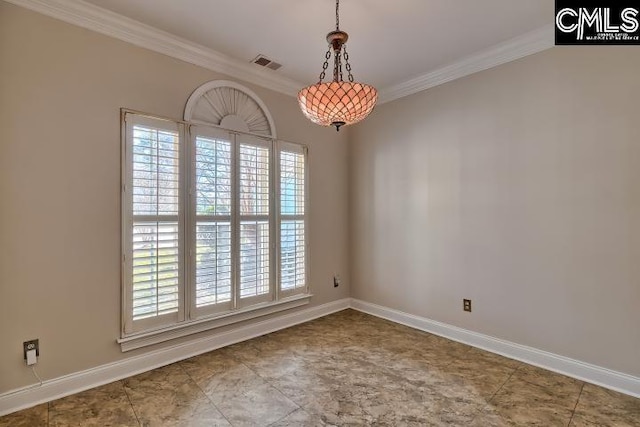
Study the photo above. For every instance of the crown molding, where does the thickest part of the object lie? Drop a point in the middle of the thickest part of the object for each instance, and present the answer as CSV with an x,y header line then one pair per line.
x,y
111,24
516,48
95,18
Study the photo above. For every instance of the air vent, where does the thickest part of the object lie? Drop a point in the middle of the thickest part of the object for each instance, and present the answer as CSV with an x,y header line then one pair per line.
x,y
266,62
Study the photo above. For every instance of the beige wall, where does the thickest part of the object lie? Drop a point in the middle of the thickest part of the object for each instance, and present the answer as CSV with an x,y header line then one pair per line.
x,y
61,88
517,187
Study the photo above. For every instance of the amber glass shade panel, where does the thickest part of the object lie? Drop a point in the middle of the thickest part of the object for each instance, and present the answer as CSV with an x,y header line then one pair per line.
x,y
327,103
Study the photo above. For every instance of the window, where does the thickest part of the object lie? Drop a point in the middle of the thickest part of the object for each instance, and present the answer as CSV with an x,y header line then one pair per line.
x,y
214,223
293,274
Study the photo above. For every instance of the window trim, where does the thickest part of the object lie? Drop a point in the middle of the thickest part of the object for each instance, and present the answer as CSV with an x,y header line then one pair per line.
x,y
190,319
179,330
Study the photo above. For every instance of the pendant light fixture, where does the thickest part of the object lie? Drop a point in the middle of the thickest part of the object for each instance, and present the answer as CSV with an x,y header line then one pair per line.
x,y
339,102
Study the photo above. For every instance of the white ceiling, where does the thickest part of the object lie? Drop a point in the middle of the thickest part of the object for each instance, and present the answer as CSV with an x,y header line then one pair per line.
x,y
391,41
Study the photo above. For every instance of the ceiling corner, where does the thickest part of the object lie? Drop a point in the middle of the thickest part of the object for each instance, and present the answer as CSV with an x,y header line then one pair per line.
x,y
516,48
111,24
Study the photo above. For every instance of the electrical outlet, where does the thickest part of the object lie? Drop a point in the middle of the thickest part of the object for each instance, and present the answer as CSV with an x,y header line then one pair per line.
x,y
336,281
466,305
31,345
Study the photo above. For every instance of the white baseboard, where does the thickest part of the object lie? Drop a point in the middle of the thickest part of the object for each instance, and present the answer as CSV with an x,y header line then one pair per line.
x,y
563,365
94,377
90,378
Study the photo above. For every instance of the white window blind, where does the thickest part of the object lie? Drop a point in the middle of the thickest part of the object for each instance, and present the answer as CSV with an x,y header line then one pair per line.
x,y
213,175
155,221
255,199
209,226
293,242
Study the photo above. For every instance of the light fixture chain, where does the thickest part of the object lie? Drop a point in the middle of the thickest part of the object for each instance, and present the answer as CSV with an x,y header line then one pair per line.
x,y
347,65
325,65
337,103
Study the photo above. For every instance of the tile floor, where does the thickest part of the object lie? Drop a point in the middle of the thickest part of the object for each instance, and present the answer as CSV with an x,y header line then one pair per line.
x,y
345,369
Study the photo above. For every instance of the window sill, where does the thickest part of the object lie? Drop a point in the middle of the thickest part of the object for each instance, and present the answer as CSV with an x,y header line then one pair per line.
x,y
145,339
